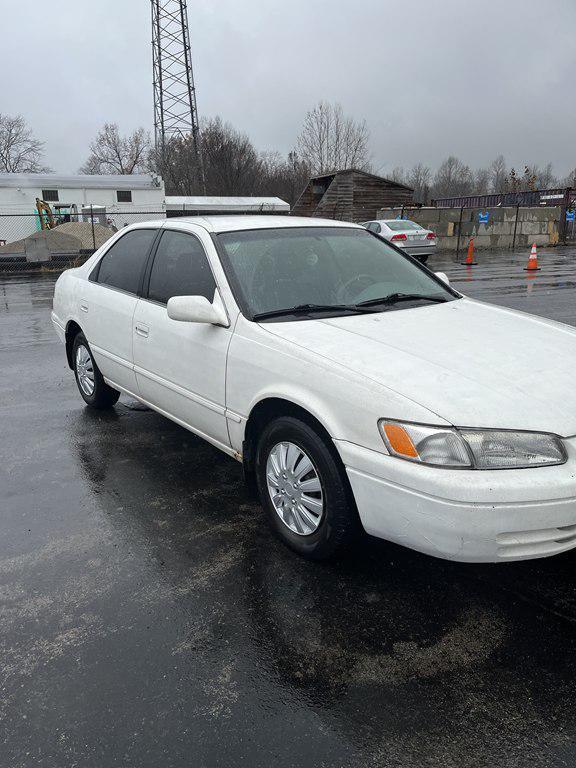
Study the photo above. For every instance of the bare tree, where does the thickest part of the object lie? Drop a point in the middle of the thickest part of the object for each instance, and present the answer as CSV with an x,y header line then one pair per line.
x,y
231,163
570,180
398,175
481,181
282,177
112,153
419,178
331,141
499,175
544,177
452,179
524,183
20,152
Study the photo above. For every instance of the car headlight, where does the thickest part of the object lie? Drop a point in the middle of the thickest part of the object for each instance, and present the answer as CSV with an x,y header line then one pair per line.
x,y
472,448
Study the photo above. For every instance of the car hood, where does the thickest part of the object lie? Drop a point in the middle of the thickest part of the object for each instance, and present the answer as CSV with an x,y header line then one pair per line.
x,y
470,363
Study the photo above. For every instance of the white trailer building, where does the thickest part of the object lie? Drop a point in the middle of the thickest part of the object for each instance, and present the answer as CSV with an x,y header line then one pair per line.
x,y
18,192
107,194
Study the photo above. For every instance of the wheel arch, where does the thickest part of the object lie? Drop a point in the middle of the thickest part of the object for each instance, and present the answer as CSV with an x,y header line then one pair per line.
x,y
269,408
72,330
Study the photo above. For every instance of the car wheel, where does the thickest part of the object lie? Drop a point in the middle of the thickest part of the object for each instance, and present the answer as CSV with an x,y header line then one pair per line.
x,y
304,490
422,259
90,382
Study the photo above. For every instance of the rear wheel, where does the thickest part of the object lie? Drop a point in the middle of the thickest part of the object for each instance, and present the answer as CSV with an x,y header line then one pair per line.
x,y
422,259
91,384
303,489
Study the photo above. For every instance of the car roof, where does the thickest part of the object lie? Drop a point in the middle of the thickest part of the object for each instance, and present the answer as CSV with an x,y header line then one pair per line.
x,y
239,221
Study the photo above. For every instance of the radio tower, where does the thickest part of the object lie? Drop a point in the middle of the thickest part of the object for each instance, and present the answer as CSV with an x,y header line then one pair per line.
x,y
175,113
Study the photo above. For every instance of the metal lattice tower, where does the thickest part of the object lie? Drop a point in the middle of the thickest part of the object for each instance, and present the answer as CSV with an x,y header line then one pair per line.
x,y
175,113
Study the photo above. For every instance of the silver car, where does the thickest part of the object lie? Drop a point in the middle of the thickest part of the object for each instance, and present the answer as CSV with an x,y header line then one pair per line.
x,y
407,235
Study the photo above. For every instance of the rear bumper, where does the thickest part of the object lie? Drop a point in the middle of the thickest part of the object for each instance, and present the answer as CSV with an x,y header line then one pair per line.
x,y
419,250
465,515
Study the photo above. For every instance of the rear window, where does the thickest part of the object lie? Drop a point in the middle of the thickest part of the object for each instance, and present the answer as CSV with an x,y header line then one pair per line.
x,y
401,225
122,265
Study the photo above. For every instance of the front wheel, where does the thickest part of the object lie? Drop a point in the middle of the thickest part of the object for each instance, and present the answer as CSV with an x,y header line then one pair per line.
x,y
304,490
90,381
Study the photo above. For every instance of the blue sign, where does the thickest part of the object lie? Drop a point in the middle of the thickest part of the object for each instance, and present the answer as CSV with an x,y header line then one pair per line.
x,y
570,215
483,217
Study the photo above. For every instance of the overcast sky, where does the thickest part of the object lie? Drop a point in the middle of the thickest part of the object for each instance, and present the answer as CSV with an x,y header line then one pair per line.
x,y
473,78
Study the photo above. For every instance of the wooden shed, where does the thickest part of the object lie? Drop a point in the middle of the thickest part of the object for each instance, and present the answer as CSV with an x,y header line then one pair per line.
x,y
350,195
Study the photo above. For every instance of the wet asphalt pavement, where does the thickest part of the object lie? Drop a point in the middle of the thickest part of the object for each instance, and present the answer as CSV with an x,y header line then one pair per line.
x,y
148,618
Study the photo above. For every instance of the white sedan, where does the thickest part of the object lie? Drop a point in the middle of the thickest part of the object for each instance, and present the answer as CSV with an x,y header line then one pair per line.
x,y
411,237
357,388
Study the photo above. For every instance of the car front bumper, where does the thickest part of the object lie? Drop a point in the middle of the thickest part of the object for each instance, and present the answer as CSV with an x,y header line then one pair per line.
x,y
466,515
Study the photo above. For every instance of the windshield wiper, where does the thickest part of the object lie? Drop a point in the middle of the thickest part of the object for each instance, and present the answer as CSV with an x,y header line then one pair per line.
x,y
394,298
304,309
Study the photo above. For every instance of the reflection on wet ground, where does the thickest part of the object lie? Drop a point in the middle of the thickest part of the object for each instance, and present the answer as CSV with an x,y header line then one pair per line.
x,y
148,618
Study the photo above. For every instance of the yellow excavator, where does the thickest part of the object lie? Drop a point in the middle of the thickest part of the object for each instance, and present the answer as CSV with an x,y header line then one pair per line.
x,y
45,213
63,212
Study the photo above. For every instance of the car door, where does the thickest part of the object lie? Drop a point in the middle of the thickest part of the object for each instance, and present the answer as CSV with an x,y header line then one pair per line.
x,y
181,367
107,303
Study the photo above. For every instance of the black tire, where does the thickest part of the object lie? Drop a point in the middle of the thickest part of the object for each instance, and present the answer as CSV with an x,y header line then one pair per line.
x,y
339,520
102,395
422,259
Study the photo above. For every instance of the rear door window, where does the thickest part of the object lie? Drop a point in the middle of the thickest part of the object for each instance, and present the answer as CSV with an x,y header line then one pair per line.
x,y
122,265
373,226
180,268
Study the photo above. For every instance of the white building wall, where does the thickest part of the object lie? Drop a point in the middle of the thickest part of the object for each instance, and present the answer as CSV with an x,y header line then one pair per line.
x,y
23,199
18,203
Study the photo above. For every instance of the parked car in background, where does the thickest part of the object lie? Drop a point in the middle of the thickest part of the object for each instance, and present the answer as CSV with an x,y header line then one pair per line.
x,y
405,234
356,386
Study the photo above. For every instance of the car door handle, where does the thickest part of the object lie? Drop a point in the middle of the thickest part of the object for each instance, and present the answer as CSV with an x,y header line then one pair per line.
x,y
84,306
142,330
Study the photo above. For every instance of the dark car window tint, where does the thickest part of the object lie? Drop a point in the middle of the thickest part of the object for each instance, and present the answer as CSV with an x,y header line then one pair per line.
x,y
122,265
180,269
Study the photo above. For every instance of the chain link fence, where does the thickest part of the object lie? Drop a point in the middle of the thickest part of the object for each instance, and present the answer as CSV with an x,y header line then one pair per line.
x,y
50,241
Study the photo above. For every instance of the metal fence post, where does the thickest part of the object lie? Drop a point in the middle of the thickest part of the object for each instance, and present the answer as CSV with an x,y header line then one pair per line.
x,y
515,225
459,230
93,233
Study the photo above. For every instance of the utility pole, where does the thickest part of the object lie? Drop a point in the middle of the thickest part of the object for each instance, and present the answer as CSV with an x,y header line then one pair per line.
x,y
175,112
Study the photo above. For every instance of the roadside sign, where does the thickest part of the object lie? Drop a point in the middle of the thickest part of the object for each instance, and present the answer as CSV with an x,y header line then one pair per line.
x,y
483,217
570,215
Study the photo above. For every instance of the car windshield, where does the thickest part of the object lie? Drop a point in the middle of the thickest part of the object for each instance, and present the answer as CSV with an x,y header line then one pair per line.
x,y
401,225
277,269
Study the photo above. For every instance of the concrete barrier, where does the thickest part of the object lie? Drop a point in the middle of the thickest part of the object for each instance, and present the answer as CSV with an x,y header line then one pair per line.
x,y
538,225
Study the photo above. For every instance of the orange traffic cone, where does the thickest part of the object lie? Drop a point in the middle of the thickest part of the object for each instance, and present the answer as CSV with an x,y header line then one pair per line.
x,y
470,257
532,265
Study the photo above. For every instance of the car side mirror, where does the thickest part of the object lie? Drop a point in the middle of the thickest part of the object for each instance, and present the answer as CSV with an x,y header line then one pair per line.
x,y
443,276
196,309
